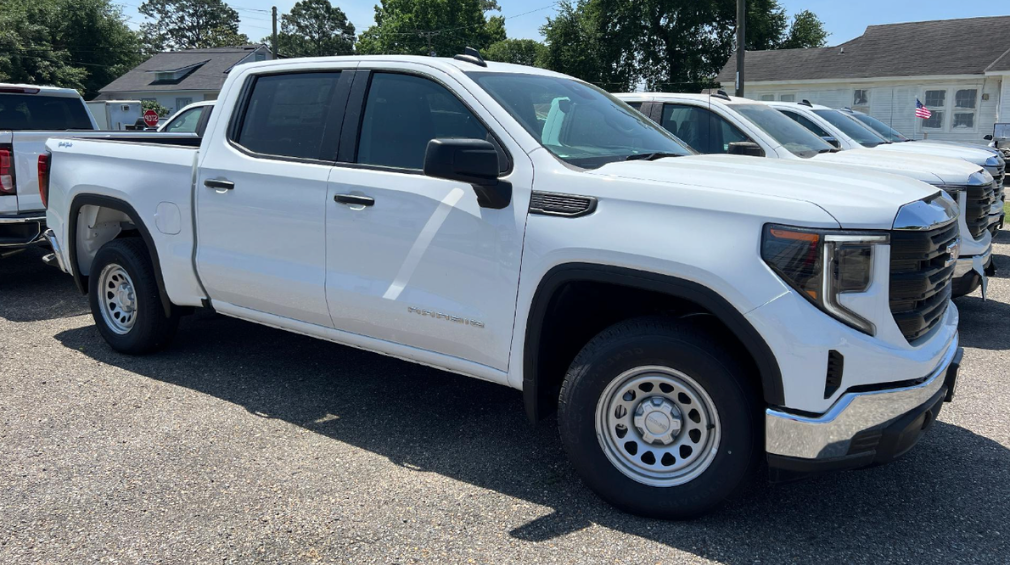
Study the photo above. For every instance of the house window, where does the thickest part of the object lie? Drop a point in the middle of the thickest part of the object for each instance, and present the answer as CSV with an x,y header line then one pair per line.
x,y
965,102
767,97
787,98
936,101
861,100
181,103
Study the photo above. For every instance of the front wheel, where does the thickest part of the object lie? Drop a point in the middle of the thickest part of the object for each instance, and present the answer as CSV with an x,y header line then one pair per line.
x,y
659,420
125,300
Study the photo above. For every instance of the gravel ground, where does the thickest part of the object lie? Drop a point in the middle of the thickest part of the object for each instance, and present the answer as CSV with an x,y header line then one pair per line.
x,y
244,444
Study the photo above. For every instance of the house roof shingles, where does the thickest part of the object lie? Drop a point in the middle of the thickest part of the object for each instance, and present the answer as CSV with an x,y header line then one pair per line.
x,y
939,47
210,75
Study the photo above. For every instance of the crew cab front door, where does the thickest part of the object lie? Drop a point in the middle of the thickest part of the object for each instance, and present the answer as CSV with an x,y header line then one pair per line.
x,y
261,195
410,259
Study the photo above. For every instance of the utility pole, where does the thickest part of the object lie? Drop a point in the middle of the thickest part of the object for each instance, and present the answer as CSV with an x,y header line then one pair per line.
x,y
273,37
741,42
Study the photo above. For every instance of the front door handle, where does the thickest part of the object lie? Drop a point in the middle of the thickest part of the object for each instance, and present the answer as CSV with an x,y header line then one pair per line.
x,y
354,200
219,184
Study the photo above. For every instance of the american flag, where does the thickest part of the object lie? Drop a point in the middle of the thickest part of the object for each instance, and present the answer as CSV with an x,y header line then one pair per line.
x,y
921,111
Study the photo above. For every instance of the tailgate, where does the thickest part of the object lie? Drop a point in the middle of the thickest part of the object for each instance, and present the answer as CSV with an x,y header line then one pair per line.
x,y
27,148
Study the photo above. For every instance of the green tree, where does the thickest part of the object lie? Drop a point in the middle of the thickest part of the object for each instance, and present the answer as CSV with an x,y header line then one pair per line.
x,y
146,105
527,52
189,24
807,30
81,44
314,28
420,27
594,40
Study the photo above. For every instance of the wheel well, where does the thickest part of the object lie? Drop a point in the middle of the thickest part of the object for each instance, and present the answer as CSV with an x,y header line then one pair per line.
x,y
96,220
575,303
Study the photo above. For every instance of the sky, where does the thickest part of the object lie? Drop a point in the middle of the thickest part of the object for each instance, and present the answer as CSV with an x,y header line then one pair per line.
x,y
844,19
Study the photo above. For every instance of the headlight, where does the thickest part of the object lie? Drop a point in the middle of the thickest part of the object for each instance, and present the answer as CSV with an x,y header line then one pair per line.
x,y
822,265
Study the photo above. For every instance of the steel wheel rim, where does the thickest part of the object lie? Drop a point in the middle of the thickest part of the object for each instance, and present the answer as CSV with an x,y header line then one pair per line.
x,y
118,299
658,426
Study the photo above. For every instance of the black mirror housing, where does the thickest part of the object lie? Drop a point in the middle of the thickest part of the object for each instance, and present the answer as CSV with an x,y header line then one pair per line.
x,y
473,161
746,148
988,137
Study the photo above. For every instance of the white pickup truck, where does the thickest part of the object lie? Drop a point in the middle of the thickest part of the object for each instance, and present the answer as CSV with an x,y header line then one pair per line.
x,y
29,116
723,124
685,315
849,133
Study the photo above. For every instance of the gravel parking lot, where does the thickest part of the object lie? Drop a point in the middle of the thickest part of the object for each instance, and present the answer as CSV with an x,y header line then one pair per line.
x,y
246,444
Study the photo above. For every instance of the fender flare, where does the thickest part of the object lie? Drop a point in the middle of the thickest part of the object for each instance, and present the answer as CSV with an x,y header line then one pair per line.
x,y
768,368
82,200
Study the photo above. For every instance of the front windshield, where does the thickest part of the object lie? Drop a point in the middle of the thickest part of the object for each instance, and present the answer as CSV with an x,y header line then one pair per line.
x,y
857,131
579,123
797,139
882,129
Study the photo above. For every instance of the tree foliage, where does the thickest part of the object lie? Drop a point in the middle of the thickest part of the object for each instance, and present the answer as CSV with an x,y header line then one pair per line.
x,y
527,52
420,27
807,30
146,105
189,24
315,28
81,44
675,45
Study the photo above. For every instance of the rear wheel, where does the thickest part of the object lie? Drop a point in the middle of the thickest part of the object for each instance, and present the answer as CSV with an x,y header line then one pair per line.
x,y
659,420
125,300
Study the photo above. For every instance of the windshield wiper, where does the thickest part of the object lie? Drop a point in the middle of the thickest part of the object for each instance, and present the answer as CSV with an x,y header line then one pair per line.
x,y
650,156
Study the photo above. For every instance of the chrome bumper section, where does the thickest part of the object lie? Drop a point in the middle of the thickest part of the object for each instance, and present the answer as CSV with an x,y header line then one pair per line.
x,y
829,435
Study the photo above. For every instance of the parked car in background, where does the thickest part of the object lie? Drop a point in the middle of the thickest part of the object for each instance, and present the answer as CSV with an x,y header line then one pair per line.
x,y
29,116
849,133
996,214
723,124
190,119
115,115
526,228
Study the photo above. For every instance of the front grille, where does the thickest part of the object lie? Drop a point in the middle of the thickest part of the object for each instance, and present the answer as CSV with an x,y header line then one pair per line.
x,y
921,271
976,211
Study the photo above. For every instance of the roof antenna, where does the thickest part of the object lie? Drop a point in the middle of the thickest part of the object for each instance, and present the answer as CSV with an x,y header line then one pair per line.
x,y
806,102
720,94
471,55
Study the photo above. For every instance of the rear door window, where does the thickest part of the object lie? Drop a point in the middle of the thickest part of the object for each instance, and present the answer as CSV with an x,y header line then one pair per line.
x,y
287,116
41,112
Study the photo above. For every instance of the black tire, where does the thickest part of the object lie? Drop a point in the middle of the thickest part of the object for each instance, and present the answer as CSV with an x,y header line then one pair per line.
x,y
152,330
685,347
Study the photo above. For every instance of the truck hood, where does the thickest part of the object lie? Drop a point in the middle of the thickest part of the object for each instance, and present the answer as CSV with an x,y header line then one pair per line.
x,y
920,167
973,155
858,198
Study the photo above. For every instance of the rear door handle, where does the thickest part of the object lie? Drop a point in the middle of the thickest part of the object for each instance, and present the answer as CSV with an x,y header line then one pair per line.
x,y
354,200
219,184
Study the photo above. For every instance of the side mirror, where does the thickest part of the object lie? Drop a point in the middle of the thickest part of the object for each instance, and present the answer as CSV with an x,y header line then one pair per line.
x,y
473,161
746,148
988,137
832,141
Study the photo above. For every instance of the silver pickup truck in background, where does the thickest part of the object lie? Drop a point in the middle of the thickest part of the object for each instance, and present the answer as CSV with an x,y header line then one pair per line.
x,y
29,116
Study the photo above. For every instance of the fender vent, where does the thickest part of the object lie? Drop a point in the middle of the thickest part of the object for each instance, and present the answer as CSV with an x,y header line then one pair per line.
x,y
833,380
568,205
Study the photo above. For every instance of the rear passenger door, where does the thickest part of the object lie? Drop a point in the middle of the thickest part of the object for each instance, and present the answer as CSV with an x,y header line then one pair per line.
x,y
261,194
701,128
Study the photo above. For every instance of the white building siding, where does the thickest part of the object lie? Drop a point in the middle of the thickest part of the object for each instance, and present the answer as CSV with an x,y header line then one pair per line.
x,y
894,102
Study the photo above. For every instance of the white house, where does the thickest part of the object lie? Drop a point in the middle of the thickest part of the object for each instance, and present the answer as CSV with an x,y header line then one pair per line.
x,y
960,69
177,78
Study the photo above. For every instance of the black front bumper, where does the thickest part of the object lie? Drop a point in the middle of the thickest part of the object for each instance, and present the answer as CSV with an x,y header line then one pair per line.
x,y
875,446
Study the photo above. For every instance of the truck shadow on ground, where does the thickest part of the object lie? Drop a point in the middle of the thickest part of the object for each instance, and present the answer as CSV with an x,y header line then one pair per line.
x,y
949,496
31,291
984,323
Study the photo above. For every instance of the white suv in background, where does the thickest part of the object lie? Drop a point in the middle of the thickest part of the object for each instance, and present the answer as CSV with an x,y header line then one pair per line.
x,y
723,124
